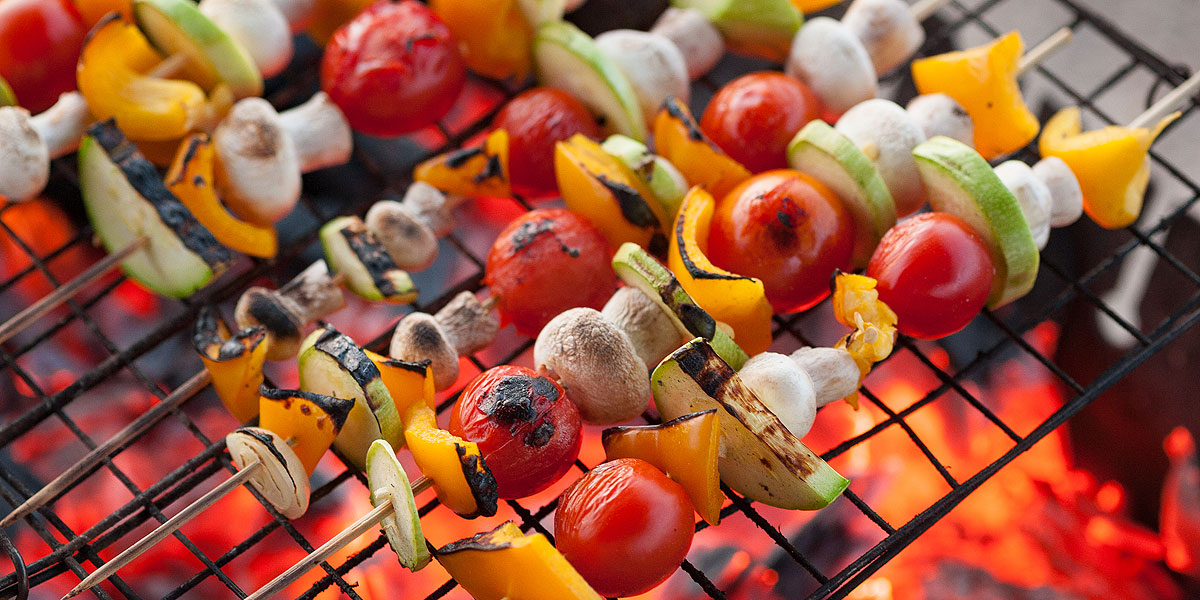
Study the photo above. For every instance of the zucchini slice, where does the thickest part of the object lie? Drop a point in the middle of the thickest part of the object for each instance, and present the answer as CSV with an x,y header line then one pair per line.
x,y
385,476
178,27
369,270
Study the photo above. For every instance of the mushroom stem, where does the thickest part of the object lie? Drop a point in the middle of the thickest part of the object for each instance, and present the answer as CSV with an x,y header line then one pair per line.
x,y
62,126
320,133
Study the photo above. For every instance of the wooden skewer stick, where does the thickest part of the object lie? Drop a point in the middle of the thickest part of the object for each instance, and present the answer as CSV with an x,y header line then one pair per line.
x,y
925,8
337,542
95,457
162,531
1042,51
1167,104
169,66
38,309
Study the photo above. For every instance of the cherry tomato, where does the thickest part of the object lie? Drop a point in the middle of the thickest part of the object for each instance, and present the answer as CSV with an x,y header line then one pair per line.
x,y
526,428
39,46
545,262
624,526
786,229
393,69
934,272
753,117
535,121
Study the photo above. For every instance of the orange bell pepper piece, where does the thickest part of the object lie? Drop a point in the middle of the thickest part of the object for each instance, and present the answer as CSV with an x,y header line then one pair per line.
x,y
478,171
110,77
678,139
460,476
812,6
505,563
984,81
856,305
1110,163
685,448
494,38
234,362
329,15
309,421
93,11
190,178
605,191
738,301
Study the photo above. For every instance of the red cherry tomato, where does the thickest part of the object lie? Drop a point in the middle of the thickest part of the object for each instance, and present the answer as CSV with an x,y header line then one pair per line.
x,y
526,428
786,229
39,46
624,526
545,262
934,272
753,117
393,69
535,121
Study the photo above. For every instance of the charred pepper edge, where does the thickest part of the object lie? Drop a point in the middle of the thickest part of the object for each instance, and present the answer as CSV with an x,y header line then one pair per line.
x,y
338,409
611,431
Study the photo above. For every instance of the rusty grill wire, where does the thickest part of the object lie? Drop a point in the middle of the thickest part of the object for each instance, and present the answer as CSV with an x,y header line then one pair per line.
x,y
380,170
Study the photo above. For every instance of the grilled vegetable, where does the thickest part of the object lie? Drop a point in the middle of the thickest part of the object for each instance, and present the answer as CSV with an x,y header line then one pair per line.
x,y
213,58
370,271
281,478
313,420
235,362
505,563
388,482
678,139
479,171
760,27
125,199
601,188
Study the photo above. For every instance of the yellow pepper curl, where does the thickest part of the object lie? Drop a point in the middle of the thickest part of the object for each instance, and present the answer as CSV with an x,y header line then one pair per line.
x,y
856,304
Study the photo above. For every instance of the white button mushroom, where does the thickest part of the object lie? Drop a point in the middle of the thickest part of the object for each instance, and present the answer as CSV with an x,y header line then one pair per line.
x,y
831,61
698,40
784,388
833,372
279,315
651,62
1066,199
939,114
432,207
315,293
258,26
29,143
297,13
1032,195
470,325
462,327
887,135
261,153
409,241
648,326
888,30
597,365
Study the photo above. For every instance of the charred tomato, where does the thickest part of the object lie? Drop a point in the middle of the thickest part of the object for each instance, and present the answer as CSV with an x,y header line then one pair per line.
x,y
535,120
753,117
624,526
393,69
786,229
547,261
526,428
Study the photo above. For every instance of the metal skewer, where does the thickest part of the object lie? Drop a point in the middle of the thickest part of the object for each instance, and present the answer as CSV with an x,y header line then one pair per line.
x,y
181,394
337,542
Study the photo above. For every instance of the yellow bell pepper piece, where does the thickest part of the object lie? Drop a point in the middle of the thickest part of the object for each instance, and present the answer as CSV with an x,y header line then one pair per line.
x,y
678,139
856,304
309,421
685,448
478,171
736,300
506,564
233,361
984,81
493,36
811,6
605,191
190,178
93,11
460,476
110,77
1111,164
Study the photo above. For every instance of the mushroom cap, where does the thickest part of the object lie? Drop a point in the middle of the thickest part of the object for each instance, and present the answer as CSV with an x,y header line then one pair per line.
x,y
596,363
830,60
833,372
698,39
258,170
314,292
784,388
279,315
939,114
259,27
647,325
653,64
25,166
1066,198
1033,196
418,336
887,29
297,13
281,479
405,237
887,135
469,325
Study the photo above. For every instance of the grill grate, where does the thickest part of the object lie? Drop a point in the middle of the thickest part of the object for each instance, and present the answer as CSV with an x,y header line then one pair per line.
x,y
379,170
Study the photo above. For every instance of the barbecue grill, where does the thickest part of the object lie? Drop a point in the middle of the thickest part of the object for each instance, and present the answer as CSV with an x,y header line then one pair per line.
x,y
380,169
